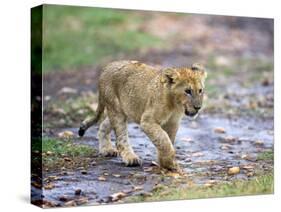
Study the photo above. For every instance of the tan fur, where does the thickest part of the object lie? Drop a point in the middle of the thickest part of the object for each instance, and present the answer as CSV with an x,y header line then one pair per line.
x,y
155,99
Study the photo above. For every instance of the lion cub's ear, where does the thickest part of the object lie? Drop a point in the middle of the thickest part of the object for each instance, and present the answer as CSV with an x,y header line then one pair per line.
x,y
200,68
169,75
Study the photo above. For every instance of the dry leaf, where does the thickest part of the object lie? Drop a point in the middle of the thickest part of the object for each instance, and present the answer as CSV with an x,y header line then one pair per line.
x,y
49,186
70,203
67,90
186,139
66,134
233,170
101,178
197,154
219,130
137,188
117,196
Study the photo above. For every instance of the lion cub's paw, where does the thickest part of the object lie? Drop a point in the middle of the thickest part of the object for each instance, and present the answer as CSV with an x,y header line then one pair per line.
x,y
131,159
109,152
168,164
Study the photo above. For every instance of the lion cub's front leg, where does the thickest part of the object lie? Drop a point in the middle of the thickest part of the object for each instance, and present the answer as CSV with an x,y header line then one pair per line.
x,y
160,138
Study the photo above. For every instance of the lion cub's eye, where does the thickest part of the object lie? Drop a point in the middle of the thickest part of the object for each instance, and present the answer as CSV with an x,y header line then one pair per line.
x,y
200,91
188,91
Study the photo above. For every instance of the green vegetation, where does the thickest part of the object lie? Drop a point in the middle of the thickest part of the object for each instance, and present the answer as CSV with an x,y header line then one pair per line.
x,y
54,153
56,148
268,155
259,185
80,36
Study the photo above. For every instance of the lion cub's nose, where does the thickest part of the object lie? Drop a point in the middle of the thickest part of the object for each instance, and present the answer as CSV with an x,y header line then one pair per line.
x,y
197,107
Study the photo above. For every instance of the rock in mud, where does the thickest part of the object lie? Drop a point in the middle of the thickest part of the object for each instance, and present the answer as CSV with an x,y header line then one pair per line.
x,y
219,130
84,172
233,170
78,192
63,198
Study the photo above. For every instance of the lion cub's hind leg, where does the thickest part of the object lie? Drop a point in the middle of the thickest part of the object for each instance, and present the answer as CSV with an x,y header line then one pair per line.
x,y
125,150
105,146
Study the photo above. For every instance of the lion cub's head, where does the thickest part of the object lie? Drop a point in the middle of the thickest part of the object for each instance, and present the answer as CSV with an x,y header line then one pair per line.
x,y
186,86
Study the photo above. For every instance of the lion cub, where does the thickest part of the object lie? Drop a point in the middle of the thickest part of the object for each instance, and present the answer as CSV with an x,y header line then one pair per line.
x,y
155,99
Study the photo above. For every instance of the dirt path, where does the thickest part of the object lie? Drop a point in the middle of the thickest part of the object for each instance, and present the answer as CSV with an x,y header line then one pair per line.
x,y
204,155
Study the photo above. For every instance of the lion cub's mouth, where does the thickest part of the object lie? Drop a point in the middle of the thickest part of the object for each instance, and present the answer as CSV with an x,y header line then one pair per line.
x,y
187,113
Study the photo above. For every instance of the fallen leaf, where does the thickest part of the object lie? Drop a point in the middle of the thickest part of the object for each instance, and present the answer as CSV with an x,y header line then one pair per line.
x,y
197,154
248,167
70,203
219,130
186,139
67,90
148,169
117,196
67,159
154,163
208,185
137,188
66,134
229,139
249,157
233,170
175,175
259,142
225,147
101,178
49,153
49,186
36,184
53,177
82,200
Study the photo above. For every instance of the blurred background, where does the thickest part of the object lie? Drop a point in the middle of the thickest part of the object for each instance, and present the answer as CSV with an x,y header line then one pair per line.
x,y
79,41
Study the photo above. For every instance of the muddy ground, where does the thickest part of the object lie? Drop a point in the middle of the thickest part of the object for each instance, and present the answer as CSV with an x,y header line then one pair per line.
x,y
233,130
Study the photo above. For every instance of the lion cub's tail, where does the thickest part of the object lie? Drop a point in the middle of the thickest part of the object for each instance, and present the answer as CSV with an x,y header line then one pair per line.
x,y
92,120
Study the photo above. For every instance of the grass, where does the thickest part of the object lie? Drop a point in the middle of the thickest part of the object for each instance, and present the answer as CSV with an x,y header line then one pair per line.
x,y
54,151
260,185
83,36
266,156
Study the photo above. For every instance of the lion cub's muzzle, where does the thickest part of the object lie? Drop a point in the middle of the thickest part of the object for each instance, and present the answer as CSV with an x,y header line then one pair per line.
x,y
192,112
